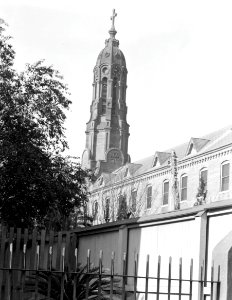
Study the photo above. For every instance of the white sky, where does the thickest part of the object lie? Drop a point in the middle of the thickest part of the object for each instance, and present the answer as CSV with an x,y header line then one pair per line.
x,y
178,54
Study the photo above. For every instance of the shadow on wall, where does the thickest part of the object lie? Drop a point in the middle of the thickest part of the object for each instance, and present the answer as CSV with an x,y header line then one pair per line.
x,y
222,256
112,239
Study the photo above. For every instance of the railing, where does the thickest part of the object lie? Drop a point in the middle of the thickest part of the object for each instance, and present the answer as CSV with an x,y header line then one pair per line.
x,y
32,266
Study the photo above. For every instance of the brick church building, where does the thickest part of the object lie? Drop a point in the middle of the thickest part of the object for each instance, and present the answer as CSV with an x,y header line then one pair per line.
x,y
195,173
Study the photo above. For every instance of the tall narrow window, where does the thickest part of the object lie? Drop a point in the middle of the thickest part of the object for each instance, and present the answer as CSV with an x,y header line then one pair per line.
x,y
103,106
165,192
104,94
184,182
133,200
204,176
149,196
114,98
225,176
107,210
95,210
104,88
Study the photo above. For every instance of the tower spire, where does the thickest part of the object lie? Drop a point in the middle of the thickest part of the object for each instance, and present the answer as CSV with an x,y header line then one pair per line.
x,y
112,31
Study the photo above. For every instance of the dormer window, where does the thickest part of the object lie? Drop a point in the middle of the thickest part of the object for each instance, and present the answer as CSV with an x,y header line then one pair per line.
x,y
195,145
190,149
155,162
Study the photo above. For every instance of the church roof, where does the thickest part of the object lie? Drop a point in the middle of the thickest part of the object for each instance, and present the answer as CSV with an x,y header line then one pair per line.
x,y
207,143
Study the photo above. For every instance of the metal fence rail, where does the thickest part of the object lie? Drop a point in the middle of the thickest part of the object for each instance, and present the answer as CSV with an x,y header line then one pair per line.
x,y
106,282
36,265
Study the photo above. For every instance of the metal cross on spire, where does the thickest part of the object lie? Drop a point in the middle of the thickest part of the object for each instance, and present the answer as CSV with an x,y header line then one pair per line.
x,y
113,17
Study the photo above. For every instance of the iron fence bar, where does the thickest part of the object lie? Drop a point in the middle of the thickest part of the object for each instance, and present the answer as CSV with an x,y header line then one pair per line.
x,y
87,279
147,277
180,277
23,270
158,277
62,274
124,278
100,274
75,275
36,272
135,275
9,275
191,280
218,284
49,273
169,277
112,276
201,281
212,285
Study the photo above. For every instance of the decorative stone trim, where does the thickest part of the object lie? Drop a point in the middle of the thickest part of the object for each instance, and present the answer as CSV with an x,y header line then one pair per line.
x,y
143,178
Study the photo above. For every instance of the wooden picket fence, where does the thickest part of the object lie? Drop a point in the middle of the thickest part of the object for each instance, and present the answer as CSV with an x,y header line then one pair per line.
x,y
37,255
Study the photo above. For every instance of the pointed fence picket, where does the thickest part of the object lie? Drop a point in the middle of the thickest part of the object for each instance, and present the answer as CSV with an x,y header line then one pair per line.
x,y
24,253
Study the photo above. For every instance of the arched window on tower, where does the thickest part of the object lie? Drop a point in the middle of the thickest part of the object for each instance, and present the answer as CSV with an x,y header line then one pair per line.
x,y
114,98
104,88
104,94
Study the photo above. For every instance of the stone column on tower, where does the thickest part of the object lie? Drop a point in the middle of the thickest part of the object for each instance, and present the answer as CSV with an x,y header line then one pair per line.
x,y
107,131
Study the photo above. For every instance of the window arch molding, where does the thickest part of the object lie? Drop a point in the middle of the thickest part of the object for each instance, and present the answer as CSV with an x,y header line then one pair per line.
x,y
225,176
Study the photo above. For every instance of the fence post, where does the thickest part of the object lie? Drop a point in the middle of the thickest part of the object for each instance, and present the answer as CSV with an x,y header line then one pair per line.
x,y
122,246
202,225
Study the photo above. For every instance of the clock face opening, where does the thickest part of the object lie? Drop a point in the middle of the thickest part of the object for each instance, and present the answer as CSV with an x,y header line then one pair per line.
x,y
114,156
105,70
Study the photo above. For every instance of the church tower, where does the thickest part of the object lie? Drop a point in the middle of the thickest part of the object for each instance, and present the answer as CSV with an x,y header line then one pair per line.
x,y
107,131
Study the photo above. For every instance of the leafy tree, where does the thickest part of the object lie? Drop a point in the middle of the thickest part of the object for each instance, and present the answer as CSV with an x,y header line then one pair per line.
x,y
123,212
201,192
38,185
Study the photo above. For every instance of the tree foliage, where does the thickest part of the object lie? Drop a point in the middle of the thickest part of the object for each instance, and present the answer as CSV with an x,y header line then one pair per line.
x,y
38,184
123,212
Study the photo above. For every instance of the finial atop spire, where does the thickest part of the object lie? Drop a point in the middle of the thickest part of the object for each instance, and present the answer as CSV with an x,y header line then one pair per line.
x,y
112,18
112,31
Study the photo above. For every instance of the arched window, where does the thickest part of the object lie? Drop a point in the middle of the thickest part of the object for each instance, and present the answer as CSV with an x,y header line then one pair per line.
x,y
165,192
225,176
95,209
149,196
133,200
114,98
204,176
104,94
104,88
184,184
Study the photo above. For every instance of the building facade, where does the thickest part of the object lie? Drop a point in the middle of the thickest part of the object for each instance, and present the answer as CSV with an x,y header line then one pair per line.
x,y
195,173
